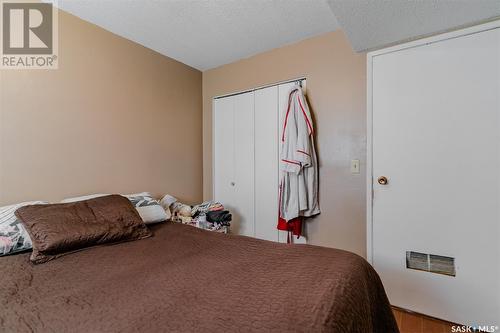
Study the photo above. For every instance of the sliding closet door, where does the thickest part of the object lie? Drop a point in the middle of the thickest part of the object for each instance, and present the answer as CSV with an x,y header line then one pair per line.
x,y
283,94
223,151
243,211
266,163
247,130
234,159
436,138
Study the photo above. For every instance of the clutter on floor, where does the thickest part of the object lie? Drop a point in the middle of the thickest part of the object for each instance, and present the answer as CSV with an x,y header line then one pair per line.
x,y
209,215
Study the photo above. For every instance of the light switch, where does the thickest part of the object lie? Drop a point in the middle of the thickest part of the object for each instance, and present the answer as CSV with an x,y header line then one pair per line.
x,y
354,166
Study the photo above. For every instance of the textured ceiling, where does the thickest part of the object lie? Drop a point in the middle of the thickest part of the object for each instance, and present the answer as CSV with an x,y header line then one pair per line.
x,y
208,33
371,24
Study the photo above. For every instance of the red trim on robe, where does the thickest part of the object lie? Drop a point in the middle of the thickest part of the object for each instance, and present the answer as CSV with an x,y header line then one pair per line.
x,y
292,227
291,162
305,116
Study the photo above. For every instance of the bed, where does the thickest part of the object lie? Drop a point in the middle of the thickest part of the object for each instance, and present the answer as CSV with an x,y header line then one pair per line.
x,y
185,279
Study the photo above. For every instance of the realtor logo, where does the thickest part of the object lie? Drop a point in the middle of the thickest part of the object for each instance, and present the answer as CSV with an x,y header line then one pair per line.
x,y
29,34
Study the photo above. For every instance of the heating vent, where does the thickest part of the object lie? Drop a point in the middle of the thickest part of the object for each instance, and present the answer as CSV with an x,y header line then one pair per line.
x,y
430,263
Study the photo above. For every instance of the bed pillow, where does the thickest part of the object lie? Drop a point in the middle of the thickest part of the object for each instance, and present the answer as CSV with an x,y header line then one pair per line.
x,y
58,229
149,208
13,235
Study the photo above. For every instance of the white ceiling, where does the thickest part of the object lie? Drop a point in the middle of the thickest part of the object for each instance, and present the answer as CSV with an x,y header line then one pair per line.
x,y
208,33
371,24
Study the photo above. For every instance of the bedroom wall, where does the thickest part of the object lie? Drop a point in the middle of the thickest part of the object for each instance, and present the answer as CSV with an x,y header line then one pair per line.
x,y
336,90
115,117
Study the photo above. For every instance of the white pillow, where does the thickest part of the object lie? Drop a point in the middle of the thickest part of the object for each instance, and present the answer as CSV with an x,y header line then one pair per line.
x,y
13,236
149,208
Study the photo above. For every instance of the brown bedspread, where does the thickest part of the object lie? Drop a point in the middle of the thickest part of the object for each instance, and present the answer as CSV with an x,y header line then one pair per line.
x,y
185,279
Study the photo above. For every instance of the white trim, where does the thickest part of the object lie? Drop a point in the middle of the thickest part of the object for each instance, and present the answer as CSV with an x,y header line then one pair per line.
x,y
254,192
437,38
369,154
369,148
213,149
301,78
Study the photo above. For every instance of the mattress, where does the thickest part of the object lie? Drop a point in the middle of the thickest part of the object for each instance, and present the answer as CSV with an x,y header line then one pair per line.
x,y
185,279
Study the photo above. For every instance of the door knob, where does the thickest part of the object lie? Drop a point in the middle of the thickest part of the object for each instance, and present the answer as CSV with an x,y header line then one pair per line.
x,y
382,180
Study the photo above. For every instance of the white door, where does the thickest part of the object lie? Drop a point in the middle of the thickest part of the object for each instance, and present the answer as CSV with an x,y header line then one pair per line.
x,y
266,163
283,94
223,151
246,131
234,159
436,137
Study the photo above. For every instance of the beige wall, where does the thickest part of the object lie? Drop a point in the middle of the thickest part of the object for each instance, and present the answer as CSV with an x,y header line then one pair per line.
x,y
336,89
115,117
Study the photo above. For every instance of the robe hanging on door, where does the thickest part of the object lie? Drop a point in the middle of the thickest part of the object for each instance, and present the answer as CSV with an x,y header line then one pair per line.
x,y
298,165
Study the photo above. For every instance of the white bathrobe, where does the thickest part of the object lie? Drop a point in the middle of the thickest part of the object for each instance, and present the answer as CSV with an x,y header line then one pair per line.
x,y
298,163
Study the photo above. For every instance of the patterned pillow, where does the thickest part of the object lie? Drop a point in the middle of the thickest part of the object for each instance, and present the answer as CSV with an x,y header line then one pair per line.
x,y
13,236
148,208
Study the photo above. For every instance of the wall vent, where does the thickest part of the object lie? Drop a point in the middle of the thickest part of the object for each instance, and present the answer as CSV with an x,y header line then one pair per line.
x,y
430,263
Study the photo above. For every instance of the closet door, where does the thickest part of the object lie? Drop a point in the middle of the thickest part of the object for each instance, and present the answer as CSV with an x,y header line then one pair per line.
x,y
266,163
223,152
247,132
283,94
234,159
436,138
244,157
